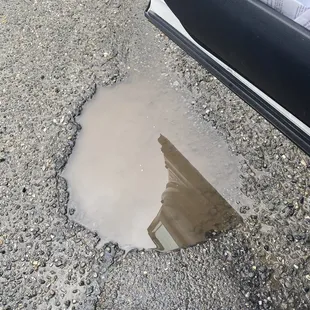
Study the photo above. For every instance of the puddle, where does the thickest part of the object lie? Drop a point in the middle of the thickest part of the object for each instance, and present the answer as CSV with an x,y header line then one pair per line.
x,y
144,170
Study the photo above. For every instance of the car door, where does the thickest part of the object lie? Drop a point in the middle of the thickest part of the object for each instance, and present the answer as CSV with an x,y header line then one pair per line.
x,y
260,54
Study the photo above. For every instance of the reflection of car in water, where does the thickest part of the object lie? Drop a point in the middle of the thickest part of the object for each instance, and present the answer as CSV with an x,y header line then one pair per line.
x,y
191,207
258,53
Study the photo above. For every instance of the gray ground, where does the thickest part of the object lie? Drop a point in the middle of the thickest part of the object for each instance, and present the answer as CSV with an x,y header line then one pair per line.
x,y
54,54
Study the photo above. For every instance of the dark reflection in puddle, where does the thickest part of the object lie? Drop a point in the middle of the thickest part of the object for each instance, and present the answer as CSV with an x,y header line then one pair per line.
x,y
191,207
116,174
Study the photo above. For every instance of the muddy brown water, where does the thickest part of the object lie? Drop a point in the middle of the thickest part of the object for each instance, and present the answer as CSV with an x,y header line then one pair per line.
x,y
146,172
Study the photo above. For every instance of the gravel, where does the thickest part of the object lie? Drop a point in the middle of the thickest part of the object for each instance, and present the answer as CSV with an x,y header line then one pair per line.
x,y
54,55
219,274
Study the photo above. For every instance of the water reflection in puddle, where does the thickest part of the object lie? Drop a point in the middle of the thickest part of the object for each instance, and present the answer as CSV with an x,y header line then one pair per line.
x,y
138,171
191,207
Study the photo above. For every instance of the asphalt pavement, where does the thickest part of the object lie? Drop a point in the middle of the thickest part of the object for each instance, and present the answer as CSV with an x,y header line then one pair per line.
x,y
54,56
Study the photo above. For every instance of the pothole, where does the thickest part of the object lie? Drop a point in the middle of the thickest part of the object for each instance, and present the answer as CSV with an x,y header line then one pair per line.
x,y
146,172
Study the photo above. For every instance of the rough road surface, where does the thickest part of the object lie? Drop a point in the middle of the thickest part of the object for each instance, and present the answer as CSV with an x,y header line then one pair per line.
x,y
54,55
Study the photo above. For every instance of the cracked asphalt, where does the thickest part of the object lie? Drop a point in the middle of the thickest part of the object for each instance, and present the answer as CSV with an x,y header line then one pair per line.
x,y
54,56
